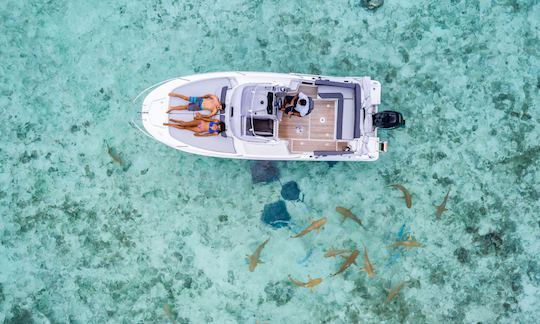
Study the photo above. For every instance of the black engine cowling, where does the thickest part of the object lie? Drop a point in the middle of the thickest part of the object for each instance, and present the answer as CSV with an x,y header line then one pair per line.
x,y
388,119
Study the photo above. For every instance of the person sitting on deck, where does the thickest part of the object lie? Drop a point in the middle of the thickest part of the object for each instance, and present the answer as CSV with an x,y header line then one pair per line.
x,y
207,102
297,105
201,125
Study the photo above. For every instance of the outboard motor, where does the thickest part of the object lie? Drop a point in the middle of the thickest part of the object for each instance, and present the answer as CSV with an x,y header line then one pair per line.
x,y
388,119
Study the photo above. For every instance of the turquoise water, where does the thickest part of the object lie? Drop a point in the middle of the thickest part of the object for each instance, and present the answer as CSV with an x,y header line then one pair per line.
x,y
85,239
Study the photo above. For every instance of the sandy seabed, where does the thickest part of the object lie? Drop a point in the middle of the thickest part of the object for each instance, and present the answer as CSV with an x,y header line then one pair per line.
x,y
85,239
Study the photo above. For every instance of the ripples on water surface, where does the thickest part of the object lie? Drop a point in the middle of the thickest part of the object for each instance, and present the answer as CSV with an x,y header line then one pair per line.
x,y
160,235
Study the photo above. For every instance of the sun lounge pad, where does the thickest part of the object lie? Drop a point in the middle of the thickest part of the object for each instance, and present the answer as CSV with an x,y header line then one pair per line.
x,y
358,113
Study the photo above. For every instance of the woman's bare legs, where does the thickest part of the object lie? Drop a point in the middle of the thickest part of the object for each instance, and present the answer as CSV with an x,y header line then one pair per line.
x,y
184,123
173,125
193,129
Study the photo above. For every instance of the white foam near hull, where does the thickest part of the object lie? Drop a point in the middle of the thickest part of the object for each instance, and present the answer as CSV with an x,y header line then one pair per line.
x,y
351,138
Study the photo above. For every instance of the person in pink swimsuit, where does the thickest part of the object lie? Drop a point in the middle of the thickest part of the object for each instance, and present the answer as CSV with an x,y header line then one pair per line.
x,y
201,125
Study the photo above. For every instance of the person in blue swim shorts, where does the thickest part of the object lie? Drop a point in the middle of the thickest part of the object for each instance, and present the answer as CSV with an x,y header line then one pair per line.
x,y
208,102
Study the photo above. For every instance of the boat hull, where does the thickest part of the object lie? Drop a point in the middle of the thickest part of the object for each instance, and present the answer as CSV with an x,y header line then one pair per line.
x,y
232,145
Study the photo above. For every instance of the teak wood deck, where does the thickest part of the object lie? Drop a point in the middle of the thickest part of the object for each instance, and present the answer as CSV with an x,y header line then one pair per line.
x,y
314,132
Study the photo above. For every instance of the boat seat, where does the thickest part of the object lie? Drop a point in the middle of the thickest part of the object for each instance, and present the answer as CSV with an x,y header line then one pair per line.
x,y
288,98
223,97
350,112
218,87
261,127
221,114
311,105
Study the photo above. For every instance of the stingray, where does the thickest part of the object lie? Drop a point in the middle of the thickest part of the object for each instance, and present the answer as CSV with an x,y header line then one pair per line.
x,y
276,214
290,191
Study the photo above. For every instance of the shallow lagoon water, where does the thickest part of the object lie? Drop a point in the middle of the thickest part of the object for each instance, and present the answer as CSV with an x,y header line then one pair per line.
x,y
84,238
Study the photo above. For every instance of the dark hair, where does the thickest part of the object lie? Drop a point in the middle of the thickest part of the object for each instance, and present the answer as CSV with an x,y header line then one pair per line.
x,y
222,106
221,126
302,102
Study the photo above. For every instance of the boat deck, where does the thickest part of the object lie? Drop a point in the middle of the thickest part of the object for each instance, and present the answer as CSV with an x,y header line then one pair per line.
x,y
314,132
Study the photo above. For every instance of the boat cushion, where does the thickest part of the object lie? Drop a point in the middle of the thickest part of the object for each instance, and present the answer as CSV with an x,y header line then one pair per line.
x,y
358,111
223,97
339,122
199,88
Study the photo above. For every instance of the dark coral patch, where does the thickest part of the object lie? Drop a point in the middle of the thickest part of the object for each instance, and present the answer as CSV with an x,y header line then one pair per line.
x,y
279,292
489,243
20,315
331,163
371,4
462,255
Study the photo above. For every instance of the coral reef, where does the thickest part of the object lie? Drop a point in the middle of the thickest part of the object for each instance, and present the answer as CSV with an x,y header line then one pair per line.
x,y
371,4
100,224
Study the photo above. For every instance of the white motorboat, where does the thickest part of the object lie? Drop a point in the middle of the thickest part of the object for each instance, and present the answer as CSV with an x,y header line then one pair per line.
x,y
341,124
